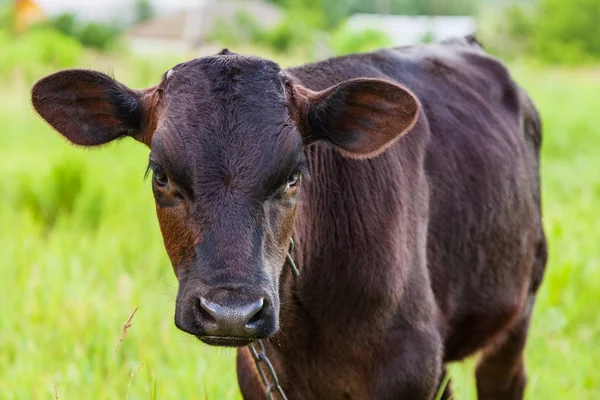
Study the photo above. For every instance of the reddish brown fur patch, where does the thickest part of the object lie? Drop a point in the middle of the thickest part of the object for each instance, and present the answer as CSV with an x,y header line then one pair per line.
x,y
248,375
178,235
151,101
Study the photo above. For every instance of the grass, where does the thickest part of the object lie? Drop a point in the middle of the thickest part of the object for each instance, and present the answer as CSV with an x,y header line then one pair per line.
x,y
80,248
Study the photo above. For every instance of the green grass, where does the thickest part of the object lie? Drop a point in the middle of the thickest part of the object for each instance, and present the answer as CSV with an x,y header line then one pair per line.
x,y
80,249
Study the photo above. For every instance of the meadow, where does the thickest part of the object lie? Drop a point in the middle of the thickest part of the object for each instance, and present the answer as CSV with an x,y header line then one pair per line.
x,y
80,249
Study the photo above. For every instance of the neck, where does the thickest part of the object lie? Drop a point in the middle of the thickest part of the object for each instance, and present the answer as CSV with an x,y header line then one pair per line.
x,y
346,225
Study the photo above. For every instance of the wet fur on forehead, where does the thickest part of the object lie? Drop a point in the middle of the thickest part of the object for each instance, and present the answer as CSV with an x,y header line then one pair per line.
x,y
226,117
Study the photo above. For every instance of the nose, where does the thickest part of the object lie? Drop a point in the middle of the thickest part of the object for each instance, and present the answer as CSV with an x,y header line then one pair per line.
x,y
240,321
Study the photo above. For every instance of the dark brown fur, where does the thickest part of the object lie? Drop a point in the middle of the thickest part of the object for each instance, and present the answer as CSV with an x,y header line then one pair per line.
x,y
418,234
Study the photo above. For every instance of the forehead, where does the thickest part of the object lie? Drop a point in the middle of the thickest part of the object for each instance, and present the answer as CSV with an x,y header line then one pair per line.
x,y
225,74
226,112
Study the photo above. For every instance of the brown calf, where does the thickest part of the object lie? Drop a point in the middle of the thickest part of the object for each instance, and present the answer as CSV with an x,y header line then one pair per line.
x,y
418,232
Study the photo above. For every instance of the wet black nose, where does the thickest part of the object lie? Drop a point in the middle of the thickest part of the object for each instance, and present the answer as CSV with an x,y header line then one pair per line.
x,y
239,321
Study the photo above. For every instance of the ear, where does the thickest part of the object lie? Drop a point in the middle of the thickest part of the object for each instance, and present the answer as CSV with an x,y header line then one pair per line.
x,y
90,108
361,117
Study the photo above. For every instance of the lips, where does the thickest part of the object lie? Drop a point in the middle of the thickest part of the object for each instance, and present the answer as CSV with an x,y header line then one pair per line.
x,y
226,341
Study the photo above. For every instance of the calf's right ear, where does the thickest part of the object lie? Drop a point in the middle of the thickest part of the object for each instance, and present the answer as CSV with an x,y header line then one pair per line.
x,y
90,108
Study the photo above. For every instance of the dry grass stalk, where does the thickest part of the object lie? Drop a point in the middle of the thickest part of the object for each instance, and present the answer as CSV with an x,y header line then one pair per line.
x,y
124,330
55,392
126,327
134,372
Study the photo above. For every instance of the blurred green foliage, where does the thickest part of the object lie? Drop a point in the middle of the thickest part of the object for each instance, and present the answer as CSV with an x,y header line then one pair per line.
x,y
6,18
302,31
346,41
243,29
36,51
97,36
567,31
55,194
143,10
551,31
90,34
297,32
312,23
335,12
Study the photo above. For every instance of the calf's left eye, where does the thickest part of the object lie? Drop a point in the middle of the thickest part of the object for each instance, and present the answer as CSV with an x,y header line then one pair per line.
x,y
293,181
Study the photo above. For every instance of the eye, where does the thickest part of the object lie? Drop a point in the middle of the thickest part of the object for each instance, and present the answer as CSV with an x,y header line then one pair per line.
x,y
159,175
293,181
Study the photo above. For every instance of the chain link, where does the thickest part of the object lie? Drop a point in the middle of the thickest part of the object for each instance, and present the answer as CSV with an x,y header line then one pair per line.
x,y
290,260
261,360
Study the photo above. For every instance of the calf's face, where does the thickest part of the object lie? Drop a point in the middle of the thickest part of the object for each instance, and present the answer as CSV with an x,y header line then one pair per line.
x,y
226,135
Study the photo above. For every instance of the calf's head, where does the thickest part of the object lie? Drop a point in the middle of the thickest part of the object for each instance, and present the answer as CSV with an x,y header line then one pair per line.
x,y
226,135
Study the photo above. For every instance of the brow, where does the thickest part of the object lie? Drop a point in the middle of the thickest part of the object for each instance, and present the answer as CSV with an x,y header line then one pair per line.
x,y
171,156
291,159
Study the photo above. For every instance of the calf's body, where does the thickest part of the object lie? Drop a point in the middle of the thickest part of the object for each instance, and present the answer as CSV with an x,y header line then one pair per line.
x,y
418,235
423,255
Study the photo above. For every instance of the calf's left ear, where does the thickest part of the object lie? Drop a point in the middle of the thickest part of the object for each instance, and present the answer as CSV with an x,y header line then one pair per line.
x,y
90,108
360,117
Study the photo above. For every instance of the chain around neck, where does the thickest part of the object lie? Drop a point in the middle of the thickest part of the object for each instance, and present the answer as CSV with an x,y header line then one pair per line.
x,y
267,373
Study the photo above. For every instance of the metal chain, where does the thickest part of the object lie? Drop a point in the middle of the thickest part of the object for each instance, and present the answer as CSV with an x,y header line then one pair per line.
x,y
260,356
290,260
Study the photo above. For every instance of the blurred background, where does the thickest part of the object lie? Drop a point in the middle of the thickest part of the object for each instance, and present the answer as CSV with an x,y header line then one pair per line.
x,y
80,247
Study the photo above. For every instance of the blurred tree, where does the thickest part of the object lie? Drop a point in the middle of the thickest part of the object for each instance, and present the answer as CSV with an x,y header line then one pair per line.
x,y
383,6
520,22
567,31
143,10
242,29
347,41
507,30
98,36
553,31
66,23
336,11
7,18
332,12
310,22
434,7
90,34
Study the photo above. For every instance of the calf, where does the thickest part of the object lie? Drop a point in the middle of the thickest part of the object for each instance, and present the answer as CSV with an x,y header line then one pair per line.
x,y
407,177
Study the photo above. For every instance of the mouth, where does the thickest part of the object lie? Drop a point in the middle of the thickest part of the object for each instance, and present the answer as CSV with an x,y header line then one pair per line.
x,y
226,341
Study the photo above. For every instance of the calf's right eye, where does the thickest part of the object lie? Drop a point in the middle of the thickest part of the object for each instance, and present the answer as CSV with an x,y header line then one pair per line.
x,y
159,175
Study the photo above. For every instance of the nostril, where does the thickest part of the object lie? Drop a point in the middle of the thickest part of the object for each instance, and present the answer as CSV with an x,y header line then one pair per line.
x,y
258,314
205,314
